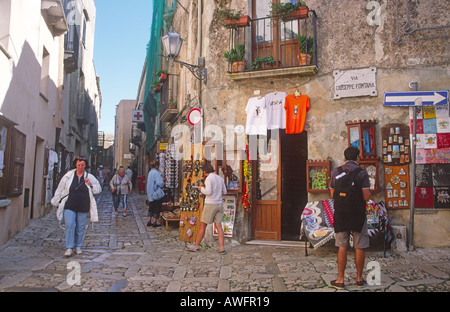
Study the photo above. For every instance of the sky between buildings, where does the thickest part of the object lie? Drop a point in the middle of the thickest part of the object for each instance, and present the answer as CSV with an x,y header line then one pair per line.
x,y
122,33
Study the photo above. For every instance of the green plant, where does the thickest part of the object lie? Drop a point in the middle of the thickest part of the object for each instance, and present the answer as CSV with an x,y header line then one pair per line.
x,y
155,83
162,71
267,60
235,54
305,43
280,10
172,104
229,14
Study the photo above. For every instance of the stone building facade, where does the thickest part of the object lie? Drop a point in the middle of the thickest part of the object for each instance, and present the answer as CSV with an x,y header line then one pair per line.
x,y
399,41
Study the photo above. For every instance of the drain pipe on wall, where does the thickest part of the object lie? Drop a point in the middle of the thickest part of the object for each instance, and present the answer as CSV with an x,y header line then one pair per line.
x,y
200,61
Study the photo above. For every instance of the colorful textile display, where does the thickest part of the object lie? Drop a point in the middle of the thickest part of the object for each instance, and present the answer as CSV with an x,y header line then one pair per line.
x,y
317,222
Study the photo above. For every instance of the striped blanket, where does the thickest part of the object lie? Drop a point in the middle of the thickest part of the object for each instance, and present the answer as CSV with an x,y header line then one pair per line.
x,y
318,220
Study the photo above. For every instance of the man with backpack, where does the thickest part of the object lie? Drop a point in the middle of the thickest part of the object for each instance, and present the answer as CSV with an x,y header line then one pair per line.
x,y
350,189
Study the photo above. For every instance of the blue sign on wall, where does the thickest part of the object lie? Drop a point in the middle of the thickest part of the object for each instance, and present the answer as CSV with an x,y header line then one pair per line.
x,y
428,98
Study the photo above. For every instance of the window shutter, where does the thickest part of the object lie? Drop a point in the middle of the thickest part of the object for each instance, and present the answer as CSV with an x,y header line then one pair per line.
x,y
17,161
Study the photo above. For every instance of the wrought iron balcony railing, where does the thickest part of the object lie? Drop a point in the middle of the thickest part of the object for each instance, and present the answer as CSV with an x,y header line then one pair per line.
x,y
271,43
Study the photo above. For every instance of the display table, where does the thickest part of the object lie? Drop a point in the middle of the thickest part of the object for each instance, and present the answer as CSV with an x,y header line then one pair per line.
x,y
170,217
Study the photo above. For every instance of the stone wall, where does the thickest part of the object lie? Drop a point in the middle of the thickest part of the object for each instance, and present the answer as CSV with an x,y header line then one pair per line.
x,y
346,40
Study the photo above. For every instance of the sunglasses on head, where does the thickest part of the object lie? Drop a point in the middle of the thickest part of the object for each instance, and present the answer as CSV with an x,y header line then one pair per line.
x,y
80,158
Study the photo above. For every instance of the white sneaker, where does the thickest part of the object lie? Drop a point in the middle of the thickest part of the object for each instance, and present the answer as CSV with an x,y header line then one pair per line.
x,y
78,251
193,248
68,253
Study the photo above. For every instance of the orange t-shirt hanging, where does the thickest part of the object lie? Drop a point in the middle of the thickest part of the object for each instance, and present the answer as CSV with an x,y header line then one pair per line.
x,y
296,108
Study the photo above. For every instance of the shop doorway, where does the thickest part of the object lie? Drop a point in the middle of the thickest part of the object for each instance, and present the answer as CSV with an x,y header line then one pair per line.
x,y
281,195
294,195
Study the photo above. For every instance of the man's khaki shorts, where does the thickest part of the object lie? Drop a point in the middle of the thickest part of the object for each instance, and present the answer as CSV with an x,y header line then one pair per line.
x,y
212,213
360,240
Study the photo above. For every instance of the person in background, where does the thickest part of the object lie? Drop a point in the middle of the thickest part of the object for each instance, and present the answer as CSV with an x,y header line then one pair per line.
x,y
155,194
213,209
351,217
121,187
74,198
101,175
129,174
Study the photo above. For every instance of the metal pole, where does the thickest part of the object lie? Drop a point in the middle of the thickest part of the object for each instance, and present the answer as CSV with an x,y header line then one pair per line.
x,y
418,102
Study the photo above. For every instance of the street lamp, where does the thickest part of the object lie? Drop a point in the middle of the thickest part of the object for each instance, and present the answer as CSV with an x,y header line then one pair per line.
x,y
171,44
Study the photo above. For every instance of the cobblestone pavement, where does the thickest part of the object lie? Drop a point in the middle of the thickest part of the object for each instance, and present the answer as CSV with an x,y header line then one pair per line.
x,y
122,254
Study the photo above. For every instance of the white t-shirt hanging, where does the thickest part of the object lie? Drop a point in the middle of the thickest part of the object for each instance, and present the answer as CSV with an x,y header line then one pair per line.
x,y
276,113
256,116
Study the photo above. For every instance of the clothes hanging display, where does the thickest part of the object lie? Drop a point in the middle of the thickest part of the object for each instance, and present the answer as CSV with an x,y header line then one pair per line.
x,y
276,114
256,116
296,109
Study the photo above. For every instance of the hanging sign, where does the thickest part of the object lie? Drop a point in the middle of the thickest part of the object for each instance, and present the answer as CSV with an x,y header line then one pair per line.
x,y
138,116
428,98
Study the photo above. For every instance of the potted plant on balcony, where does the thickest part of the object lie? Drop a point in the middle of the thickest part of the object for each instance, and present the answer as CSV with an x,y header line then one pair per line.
x,y
267,62
236,57
156,86
306,49
233,19
172,104
288,11
162,76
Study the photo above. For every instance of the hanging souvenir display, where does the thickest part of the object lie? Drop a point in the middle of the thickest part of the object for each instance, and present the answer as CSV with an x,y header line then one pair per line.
x,y
246,188
191,204
396,156
171,168
318,176
432,156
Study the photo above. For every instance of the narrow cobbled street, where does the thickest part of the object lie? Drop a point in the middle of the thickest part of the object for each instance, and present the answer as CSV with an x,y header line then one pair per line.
x,y
122,254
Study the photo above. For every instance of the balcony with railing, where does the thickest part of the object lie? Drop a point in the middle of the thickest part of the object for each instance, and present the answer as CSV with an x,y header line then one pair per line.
x,y
273,46
169,107
71,49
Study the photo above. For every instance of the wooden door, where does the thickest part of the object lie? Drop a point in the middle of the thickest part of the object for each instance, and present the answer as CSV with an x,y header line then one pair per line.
x,y
266,215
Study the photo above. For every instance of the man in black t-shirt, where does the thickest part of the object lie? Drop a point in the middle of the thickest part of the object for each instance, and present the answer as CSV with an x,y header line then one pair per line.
x,y
351,219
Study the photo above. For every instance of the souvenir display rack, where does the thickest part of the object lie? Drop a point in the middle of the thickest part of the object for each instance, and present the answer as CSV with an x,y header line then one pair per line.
x,y
396,157
192,202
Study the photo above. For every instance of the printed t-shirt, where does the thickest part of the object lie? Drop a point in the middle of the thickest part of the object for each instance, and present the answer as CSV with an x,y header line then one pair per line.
x,y
296,109
256,116
276,114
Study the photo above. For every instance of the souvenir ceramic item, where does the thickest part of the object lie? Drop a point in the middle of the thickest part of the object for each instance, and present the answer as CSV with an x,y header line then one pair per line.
x,y
181,223
193,221
189,233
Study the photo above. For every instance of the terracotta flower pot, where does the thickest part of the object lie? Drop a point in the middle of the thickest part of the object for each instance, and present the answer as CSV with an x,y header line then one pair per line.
x,y
238,66
305,59
243,21
301,13
162,78
270,66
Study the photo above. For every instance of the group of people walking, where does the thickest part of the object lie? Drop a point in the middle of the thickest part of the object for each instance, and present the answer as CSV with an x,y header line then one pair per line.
x,y
349,187
74,199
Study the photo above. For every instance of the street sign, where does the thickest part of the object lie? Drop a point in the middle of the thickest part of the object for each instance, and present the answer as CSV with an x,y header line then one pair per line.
x,y
428,98
195,116
138,116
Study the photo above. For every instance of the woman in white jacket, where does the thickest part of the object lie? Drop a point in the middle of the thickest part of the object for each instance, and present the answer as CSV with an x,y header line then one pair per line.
x,y
74,198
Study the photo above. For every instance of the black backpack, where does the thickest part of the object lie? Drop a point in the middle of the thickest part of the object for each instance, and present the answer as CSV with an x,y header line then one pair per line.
x,y
347,195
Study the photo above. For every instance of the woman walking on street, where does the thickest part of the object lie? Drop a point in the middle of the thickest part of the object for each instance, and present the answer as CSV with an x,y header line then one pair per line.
x,y
121,187
155,194
74,198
